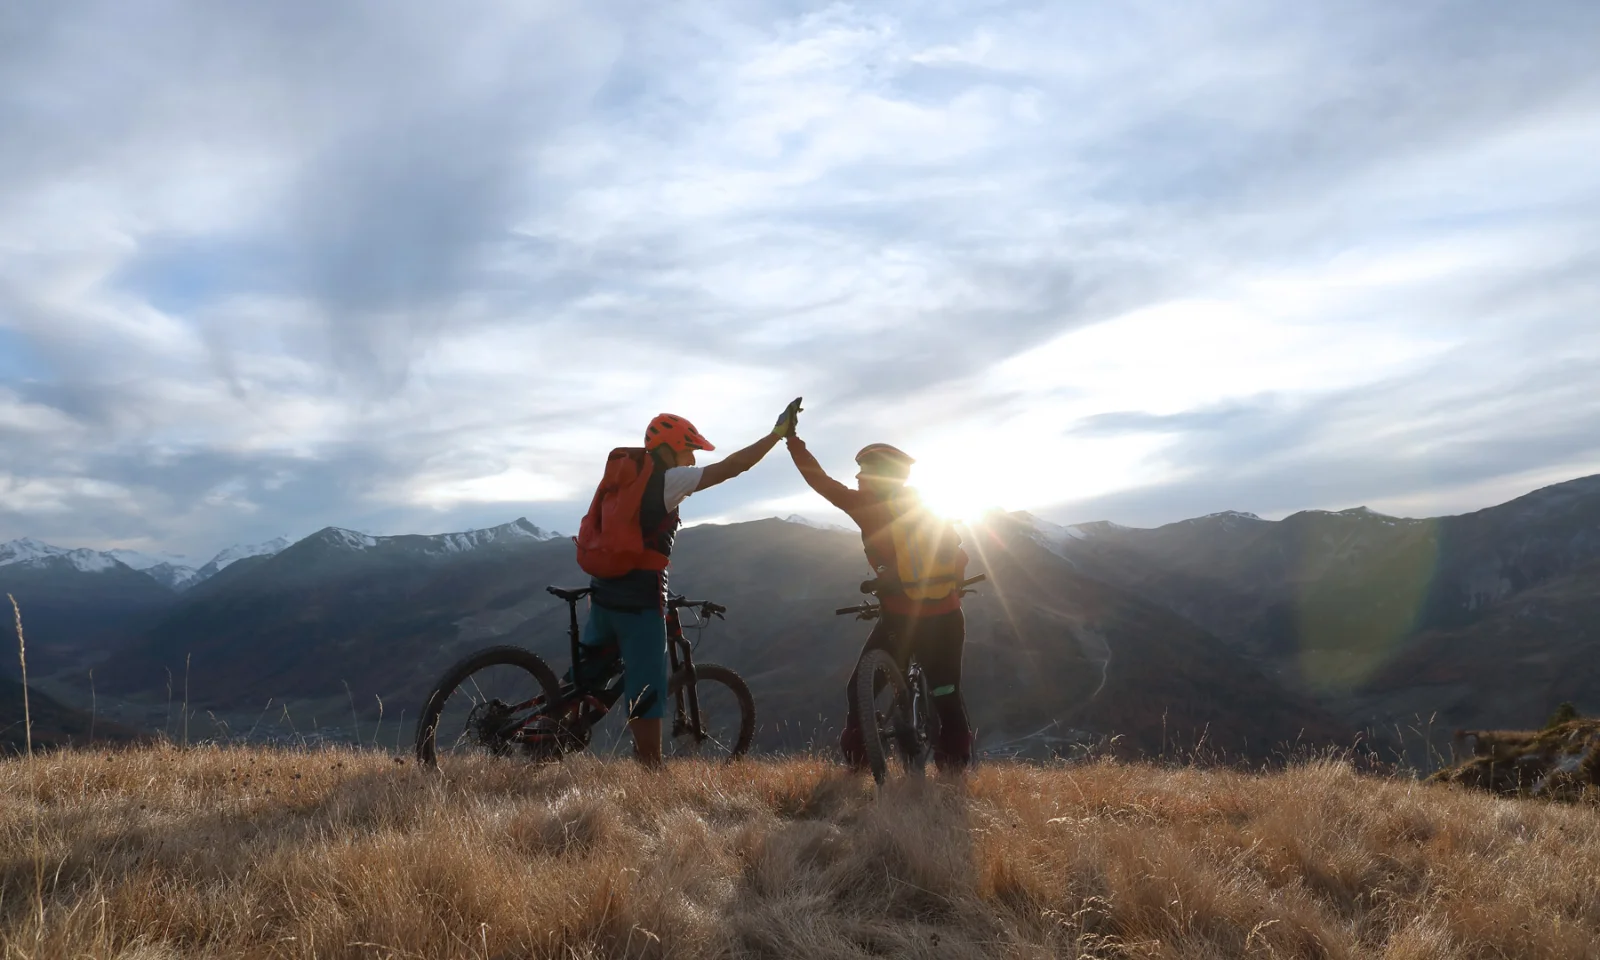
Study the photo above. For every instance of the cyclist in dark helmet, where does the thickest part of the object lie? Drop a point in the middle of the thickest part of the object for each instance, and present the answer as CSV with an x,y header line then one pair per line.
x,y
928,622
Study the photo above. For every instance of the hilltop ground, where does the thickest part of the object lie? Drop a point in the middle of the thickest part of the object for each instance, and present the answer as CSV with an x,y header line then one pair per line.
x,y
246,853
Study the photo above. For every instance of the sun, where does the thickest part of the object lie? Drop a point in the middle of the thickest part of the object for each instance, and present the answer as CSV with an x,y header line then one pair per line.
x,y
954,493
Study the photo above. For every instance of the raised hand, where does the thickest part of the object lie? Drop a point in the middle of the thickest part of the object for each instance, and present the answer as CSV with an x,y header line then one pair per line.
x,y
789,420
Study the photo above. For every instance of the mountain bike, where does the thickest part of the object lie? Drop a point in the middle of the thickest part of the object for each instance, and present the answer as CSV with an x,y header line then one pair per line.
x,y
505,701
904,723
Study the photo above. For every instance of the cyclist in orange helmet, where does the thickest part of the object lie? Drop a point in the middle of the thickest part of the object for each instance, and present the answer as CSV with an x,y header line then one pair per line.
x,y
935,630
630,608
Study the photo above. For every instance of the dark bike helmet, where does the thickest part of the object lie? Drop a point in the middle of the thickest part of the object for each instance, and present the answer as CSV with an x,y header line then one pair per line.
x,y
884,460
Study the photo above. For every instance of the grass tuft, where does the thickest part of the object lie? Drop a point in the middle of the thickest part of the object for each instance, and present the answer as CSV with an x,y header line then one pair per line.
x,y
1559,762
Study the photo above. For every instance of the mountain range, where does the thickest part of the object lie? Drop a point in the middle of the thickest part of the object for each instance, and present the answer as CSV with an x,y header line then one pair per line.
x,y
169,570
1236,633
1485,619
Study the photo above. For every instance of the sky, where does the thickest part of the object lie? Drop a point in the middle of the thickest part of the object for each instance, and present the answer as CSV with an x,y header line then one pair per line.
x,y
403,266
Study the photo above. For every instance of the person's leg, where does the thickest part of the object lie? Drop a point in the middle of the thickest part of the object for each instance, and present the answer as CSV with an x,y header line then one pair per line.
x,y
938,646
642,638
887,634
646,740
597,628
598,652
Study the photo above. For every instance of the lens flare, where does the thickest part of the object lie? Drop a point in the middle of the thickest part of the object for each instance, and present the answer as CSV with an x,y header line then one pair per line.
x,y
954,493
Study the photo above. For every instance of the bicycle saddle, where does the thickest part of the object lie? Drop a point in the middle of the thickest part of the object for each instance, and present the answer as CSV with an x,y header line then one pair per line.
x,y
571,595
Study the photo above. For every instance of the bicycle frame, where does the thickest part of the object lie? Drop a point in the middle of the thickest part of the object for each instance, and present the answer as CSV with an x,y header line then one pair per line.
x,y
679,646
568,709
914,681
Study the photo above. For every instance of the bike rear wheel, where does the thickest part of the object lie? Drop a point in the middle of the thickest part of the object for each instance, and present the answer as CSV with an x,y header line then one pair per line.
x,y
727,715
479,709
882,703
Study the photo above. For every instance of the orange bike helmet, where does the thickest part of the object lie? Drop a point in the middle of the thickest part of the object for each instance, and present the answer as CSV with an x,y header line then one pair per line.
x,y
671,430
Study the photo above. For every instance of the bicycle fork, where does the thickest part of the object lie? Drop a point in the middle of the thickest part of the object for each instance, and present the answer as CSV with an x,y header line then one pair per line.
x,y
686,705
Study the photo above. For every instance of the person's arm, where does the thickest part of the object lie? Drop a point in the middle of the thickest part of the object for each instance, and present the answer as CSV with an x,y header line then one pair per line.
x,y
817,478
736,463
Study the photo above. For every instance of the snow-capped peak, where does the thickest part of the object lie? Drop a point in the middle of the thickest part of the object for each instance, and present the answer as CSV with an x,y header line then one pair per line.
x,y
25,549
815,524
348,539
1057,531
1362,511
91,561
1225,519
471,540
30,551
171,571
518,529
240,551
1053,536
174,576
441,543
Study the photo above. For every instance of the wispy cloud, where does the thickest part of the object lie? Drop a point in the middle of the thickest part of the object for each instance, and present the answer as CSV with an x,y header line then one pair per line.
x,y
390,265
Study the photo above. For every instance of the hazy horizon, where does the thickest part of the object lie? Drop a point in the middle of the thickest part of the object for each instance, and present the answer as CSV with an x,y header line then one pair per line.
x,y
823,514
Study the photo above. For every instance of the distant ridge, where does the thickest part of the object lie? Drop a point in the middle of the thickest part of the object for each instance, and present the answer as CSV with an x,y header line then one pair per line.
x,y
170,572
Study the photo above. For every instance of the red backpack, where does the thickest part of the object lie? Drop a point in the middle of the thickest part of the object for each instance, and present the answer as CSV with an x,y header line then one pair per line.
x,y
610,542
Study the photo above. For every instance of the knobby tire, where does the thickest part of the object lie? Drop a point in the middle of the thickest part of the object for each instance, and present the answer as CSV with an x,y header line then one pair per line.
x,y
428,723
872,663
714,673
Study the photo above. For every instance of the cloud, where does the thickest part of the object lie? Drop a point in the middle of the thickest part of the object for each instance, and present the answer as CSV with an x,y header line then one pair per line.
x,y
388,265
1418,445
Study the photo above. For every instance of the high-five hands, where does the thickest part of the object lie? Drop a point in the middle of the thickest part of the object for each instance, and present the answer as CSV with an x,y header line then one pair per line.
x,y
788,420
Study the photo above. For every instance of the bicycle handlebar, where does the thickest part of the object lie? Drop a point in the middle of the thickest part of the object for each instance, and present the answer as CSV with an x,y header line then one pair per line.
x,y
872,606
881,583
707,607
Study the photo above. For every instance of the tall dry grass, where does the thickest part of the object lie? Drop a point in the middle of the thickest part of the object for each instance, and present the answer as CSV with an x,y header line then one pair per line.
x,y
248,853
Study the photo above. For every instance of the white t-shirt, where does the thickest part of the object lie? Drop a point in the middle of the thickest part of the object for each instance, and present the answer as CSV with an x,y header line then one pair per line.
x,y
678,484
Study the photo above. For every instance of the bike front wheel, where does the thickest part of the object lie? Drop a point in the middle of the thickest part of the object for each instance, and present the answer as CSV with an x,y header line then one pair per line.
x,y
488,705
925,730
727,714
882,704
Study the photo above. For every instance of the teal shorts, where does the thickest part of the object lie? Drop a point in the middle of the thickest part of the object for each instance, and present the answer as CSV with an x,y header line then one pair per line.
x,y
642,639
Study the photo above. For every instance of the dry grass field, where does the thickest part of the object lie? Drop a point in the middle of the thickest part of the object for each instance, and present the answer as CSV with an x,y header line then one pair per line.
x,y
246,853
